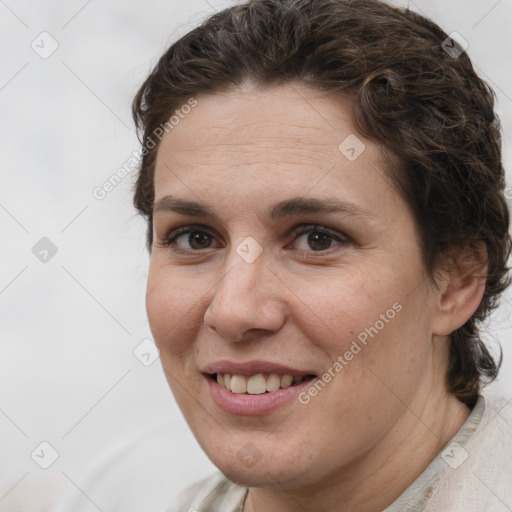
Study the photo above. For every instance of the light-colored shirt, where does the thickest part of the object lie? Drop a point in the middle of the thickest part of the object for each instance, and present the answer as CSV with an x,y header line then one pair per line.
x,y
472,473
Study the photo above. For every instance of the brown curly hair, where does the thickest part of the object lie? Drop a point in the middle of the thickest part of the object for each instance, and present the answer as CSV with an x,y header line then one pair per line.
x,y
425,105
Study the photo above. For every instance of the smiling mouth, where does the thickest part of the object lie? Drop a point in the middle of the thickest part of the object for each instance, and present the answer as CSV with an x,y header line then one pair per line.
x,y
257,384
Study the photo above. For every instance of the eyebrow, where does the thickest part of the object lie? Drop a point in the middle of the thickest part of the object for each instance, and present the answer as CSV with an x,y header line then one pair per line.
x,y
281,210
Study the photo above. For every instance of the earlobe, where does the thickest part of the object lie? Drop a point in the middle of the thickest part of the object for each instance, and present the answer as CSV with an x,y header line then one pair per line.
x,y
460,289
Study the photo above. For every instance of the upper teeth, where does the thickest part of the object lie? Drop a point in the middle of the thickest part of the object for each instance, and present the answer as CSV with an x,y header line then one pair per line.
x,y
256,384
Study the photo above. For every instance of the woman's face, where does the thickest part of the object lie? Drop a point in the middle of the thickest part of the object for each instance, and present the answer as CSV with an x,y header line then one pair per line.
x,y
250,288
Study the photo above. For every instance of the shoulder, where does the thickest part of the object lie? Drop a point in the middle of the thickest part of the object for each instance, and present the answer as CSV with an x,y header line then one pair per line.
x,y
479,477
210,494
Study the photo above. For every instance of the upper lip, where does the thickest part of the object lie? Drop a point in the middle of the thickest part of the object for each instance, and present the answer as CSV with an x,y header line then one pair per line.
x,y
252,367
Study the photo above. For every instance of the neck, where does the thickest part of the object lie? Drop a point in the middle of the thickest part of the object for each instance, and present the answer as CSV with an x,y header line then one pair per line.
x,y
378,478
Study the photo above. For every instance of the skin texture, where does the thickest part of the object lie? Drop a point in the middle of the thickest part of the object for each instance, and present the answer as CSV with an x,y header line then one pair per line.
x,y
374,428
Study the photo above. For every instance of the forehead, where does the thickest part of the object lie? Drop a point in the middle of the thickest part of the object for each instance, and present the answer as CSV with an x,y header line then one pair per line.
x,y
250,138
250,117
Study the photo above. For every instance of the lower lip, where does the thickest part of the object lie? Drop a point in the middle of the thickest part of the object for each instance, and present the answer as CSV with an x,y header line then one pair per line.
x,y
254,405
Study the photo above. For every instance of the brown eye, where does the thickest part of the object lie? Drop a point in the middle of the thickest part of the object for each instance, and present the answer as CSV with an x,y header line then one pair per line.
x,y
318,239
188,239
199,240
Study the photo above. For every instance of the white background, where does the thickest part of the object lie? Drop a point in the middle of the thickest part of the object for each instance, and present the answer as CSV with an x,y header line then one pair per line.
x,y
69,326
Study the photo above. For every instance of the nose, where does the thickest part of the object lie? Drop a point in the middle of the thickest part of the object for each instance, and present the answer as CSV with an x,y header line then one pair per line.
x,y
246,302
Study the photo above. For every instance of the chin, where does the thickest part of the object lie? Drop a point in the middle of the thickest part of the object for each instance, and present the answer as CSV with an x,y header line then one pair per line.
x,y
267,466
260,475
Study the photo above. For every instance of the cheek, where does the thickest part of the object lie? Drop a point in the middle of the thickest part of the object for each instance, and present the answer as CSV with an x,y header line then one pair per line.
x,y
368,327
172,309
371,322
340,307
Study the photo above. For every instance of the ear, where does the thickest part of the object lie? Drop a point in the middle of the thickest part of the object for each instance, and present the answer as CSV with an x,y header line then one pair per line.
x,y
461,284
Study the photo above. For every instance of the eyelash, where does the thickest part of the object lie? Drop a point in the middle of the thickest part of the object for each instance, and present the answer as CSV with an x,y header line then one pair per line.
x,y
170,239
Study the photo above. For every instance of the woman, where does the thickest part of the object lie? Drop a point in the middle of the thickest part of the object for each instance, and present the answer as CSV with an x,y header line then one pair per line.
x,y
323,187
